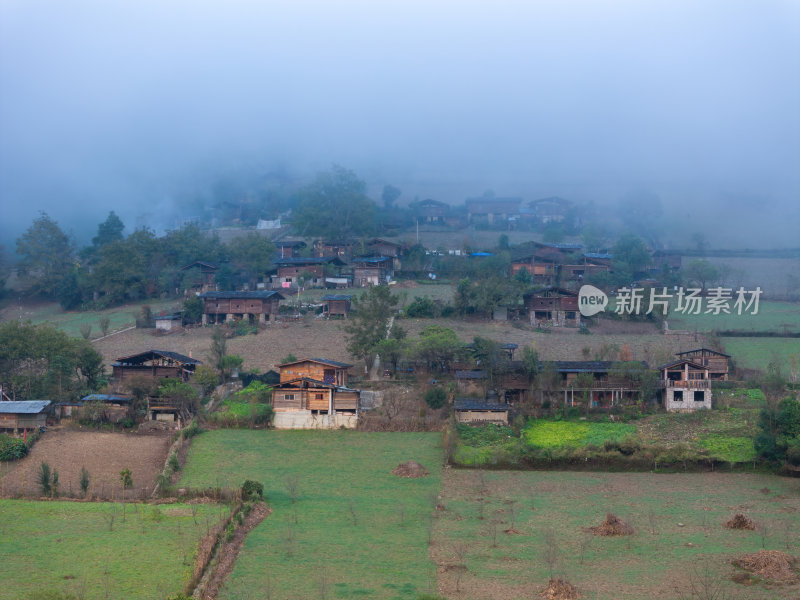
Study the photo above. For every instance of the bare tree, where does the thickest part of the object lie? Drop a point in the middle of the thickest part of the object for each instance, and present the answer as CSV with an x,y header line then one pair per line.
x,y
550,552
291,482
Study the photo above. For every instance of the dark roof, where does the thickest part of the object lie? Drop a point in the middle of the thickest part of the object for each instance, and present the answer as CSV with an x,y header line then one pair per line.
x,y
681,361
316,383
478,404
704,350
587,366
432,202
254,295
540,293
199,263
336,297
561,245
472,374
603,255
291,244
382,241
549,200
325,361
141,357
303,260
105,398
167,318
371,259
24,407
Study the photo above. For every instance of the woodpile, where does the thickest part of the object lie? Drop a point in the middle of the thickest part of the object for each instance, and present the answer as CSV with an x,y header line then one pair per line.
x,y
410,469
613,525
772,565
740,521
560,589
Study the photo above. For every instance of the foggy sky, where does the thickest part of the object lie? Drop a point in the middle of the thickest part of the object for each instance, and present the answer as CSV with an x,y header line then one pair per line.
x,y
124,105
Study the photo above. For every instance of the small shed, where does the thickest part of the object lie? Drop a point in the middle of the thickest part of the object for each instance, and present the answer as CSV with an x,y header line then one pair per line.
x,y
336,305
117,406
168,322
475,410
23,414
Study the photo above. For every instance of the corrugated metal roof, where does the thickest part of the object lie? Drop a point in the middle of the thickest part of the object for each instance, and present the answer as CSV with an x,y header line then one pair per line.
x,y
604,255
26,407
336,297
106,398
254,295
478,404
587,366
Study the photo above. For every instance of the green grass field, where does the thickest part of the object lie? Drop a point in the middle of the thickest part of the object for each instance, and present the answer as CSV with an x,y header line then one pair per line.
x,y
552,434
70,548
355,530
497,525
757,353
772,316
71,321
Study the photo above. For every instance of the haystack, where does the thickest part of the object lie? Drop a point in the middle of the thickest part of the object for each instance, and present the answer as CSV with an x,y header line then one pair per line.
x,y
772,565
613,525
410,469
740,521
559,589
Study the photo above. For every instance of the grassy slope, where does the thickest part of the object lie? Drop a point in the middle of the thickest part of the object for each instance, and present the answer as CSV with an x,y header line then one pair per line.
x,y
647,565
71,321
757,353
67,547
772,316
383,555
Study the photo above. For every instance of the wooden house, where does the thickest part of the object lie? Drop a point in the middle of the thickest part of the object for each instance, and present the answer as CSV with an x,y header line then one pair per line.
x,y
336,305
606,388
115,406
686,385
156,364
431,212
289,248
477,411
22,415
372,270
523,262
471,381
260,306
312,388
553,306
549,210
313,269
340,248
716,362
381,247
200,277
491,211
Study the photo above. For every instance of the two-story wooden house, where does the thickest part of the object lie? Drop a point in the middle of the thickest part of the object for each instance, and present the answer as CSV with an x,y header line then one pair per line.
x,y
372,270
553,306
311,269
716,362
336,305
199,277
261,306
312,393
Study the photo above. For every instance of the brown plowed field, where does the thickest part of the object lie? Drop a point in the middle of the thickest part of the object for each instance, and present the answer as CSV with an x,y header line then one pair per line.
x,y
103,454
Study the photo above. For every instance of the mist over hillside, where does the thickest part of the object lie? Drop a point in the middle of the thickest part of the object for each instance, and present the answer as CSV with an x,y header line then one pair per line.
x,y
152,110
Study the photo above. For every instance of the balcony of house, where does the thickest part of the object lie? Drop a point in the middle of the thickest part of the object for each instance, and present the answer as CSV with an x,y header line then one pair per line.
x,y
694,384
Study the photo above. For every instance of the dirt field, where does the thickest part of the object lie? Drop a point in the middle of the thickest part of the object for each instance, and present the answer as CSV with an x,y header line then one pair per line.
x,y
103,454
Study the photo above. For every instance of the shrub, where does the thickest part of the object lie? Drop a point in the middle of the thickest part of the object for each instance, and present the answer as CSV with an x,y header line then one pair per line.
x,y
12,448
173,463
252,490
435,397
191,430
126,478
83,481
44,478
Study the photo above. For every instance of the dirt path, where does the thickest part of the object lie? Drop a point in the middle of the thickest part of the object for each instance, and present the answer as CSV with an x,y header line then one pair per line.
x,y
103,454
230,550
